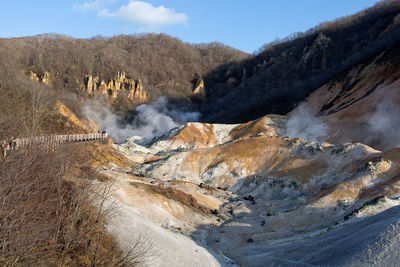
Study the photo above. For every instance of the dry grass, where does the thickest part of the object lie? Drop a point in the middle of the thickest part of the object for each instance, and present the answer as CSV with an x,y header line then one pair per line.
x,y
48,221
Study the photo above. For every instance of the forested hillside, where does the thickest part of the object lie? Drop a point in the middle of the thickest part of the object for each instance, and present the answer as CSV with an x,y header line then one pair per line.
x,y
282,74
164,64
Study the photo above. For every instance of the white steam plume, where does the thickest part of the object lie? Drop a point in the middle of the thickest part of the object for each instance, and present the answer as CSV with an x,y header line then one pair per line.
x,y
151,120
385,123
302,123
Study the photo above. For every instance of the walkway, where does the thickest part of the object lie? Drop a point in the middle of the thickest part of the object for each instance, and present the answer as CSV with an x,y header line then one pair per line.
x,y
49,141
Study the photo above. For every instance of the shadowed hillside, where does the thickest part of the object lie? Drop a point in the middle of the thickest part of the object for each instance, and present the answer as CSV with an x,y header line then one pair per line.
x,y
282,74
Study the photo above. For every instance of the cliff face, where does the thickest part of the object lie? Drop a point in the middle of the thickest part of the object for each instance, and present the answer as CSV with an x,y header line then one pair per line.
x,y
119,88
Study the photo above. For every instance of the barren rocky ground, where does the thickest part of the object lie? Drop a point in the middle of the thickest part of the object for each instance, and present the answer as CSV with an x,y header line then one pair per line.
x,y
247,194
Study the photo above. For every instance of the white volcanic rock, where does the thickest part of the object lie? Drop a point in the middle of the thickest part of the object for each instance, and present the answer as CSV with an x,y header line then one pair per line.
x,y
167,248
271,190
202,135
134,150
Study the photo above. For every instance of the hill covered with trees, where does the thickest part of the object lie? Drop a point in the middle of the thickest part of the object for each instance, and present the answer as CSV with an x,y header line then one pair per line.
x,y
284,73
164,64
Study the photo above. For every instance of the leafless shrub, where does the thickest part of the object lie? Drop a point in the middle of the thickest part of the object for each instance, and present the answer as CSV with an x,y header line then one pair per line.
x,y
50,218
140,251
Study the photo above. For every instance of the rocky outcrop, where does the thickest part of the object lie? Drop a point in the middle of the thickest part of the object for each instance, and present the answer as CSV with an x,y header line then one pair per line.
x,y
44,78
121,87
316,53
87,125
33,76
198,87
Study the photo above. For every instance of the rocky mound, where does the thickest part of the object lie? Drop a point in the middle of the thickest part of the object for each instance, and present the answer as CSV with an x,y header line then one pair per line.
x,y
246,189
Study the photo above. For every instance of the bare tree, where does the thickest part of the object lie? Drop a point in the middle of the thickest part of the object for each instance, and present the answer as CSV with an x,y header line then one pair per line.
x,y
51,214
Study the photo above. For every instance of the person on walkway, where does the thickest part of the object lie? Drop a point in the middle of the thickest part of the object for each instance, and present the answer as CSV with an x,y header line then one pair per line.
x,y
3,148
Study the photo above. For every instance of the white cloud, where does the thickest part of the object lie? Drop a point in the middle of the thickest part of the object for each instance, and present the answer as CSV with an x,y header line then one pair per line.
x,y
93,5
145,14
105,13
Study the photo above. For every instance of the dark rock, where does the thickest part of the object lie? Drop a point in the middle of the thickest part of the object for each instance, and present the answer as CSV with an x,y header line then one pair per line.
x,y
250,198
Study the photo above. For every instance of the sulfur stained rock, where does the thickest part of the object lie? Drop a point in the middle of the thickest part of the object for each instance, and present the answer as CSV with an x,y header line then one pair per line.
x,y
198,87
277,190
33,76
121,87
44,78
132,91
87,126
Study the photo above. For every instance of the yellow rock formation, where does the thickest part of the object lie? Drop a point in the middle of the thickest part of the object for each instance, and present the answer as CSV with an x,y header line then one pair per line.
x,y
120,87
66,112
44,78
198,88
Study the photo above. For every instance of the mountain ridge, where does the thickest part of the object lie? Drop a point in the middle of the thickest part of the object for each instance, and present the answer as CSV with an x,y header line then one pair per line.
x,y
279,78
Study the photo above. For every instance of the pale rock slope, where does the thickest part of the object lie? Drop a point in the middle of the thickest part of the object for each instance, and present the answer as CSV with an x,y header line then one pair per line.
x,y
248,193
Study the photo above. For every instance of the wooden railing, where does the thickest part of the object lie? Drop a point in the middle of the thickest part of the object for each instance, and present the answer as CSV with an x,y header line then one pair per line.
x,y
49,141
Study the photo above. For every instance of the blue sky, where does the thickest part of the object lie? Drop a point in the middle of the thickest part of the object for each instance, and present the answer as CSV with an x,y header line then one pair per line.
x,y
245,25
